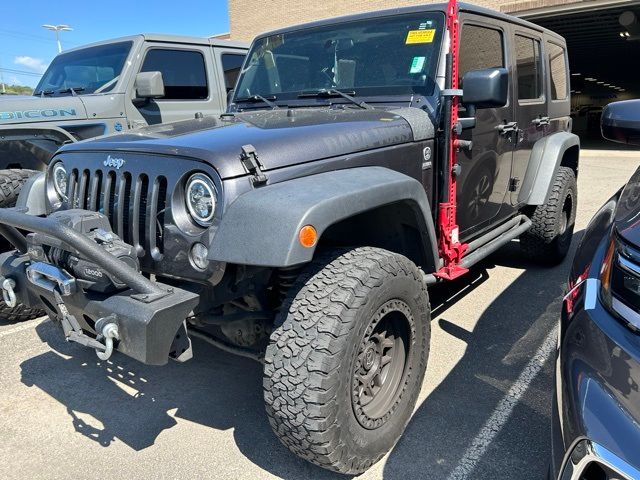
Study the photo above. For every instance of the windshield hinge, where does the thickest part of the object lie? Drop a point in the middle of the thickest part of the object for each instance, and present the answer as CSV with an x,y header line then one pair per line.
x,y
249,159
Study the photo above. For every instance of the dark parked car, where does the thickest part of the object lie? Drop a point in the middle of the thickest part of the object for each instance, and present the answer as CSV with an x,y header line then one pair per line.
x,y
596,421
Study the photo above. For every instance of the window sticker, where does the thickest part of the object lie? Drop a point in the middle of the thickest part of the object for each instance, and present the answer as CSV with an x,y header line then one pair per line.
x,y
417,64
420,36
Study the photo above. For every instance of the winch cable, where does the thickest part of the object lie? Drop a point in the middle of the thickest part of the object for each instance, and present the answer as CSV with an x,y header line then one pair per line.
x,y
449,245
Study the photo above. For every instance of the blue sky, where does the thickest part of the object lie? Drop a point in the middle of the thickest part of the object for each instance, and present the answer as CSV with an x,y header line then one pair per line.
x,y
27,47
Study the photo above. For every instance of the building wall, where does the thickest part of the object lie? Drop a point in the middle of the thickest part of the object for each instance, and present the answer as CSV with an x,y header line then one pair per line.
x,y
248,18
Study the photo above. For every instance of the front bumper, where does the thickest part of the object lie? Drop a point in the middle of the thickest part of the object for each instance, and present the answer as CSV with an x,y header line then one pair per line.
x,y
588,459
149,315
596,418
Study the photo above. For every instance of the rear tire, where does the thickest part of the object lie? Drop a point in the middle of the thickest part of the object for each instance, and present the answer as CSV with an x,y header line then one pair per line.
x,y
549,238
11,182
347,358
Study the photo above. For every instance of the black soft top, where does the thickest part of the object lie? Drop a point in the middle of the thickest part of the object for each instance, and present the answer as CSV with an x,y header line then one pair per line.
x,y
435,7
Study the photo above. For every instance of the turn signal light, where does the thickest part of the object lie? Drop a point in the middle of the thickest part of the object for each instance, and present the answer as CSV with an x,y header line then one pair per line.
x,y
308,236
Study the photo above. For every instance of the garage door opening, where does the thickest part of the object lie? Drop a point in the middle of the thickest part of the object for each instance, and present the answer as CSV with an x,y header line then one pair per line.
x,y
604,48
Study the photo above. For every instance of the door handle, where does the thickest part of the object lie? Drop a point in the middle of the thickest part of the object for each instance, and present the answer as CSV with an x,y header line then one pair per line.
x,y
540,121
507,128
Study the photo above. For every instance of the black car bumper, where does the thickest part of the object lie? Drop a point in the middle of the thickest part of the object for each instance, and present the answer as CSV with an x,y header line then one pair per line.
x,y
149,315
596,424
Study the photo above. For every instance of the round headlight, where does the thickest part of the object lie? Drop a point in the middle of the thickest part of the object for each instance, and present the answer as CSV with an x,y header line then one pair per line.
x,y
201,199
60,180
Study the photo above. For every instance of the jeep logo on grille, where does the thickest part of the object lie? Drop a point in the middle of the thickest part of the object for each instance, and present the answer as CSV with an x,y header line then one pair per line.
x,y
113,162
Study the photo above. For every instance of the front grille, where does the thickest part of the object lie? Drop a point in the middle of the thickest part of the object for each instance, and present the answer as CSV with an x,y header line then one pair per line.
x,y
135,205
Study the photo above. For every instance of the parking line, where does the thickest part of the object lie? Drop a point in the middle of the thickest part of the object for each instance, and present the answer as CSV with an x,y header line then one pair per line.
x,y
503,411
23,326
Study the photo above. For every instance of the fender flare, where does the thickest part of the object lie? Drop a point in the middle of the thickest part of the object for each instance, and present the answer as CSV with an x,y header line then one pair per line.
x,y
261,227
32,196
546,157
34,134
46,132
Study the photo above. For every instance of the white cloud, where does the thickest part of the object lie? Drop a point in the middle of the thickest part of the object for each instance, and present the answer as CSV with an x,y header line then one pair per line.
x,y
34,64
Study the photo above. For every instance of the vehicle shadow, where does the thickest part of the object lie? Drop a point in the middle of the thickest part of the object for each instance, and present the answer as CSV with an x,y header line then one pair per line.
x,y
506,336
124,400
133,403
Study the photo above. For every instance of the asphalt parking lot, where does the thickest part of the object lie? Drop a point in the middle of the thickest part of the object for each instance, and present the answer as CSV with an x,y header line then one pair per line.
x,y
483,412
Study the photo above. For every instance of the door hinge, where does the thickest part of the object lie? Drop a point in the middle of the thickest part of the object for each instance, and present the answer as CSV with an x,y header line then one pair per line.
x,y
513,184
249,159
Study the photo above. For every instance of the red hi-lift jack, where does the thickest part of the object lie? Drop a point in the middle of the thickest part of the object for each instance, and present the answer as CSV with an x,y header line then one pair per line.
x,y
449,246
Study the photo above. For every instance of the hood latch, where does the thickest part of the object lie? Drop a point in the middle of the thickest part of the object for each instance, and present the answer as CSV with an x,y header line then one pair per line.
x,y
249,159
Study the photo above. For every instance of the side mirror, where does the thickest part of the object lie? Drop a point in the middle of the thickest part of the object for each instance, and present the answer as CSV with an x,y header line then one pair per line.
x,y
488,88
621,122
149,85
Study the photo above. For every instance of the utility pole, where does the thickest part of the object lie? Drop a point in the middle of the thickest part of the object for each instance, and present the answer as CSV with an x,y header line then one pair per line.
x,y
3,88
58,29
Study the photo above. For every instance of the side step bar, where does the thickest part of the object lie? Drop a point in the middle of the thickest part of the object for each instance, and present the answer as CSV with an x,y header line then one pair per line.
x,y
485,245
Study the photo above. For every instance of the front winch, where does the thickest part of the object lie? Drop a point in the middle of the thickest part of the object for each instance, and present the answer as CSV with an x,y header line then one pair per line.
x,y
54,261
89,280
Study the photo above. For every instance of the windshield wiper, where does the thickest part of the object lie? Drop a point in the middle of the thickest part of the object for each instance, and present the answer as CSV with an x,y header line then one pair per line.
x,y
259,98
332,92
72,90
42,93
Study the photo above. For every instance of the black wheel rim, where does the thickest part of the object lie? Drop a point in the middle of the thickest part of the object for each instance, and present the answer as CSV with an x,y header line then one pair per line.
x,y
564,227
380,370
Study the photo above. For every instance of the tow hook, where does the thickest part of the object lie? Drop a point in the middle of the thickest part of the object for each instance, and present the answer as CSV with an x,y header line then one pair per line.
x,y
109,333
8,294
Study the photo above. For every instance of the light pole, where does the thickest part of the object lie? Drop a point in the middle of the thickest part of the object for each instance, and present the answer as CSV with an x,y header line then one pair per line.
x,y
58,29
2,87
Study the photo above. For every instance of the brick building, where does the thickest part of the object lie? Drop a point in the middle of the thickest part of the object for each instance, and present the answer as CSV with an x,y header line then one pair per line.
x,y
251,17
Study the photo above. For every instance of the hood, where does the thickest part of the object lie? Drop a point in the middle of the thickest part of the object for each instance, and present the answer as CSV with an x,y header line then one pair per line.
x,y
35,109
281,137
627,219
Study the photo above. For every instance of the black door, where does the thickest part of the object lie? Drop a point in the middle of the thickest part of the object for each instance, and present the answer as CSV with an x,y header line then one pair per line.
x,y
484,179
531,105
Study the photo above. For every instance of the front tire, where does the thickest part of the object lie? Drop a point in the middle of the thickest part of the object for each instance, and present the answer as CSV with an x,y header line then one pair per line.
x,y
347,358
548,240
11,182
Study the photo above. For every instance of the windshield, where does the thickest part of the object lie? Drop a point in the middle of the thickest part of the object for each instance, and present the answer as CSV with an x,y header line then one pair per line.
x,y
392,55
89,70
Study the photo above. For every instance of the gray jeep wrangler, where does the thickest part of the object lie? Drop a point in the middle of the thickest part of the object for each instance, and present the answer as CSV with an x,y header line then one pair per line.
x,y
303,227
109,87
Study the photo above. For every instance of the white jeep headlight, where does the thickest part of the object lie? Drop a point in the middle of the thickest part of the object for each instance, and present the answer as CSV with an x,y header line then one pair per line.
x,y
201,199
60,180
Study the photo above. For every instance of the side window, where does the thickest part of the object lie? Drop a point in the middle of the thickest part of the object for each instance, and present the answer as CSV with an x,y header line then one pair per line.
x,y
183,73
231,65
480,47
558,71
529,68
